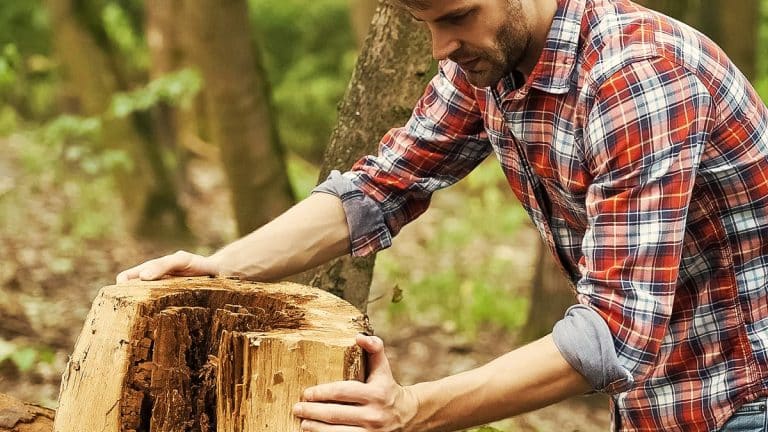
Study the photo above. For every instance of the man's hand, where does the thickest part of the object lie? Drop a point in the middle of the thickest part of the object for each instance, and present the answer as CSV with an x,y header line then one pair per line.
x,y
179,264
378,405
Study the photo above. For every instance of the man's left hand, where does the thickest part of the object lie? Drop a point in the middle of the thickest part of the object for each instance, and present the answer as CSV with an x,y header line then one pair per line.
x,y
378,405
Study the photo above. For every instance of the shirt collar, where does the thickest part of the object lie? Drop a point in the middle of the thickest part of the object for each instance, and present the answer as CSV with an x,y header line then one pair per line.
x,y
552,73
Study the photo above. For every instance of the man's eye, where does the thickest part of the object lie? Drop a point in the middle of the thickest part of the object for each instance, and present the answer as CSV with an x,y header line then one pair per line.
x,y
457,19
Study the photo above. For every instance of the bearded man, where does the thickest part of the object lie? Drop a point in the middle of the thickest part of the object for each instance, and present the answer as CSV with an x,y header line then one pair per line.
x,y
640,153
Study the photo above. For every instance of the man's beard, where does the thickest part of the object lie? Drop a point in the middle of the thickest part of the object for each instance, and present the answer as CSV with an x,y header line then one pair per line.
x,y
511,42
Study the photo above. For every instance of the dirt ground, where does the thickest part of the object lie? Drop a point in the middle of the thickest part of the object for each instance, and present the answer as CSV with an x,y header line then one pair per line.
x,y
45,295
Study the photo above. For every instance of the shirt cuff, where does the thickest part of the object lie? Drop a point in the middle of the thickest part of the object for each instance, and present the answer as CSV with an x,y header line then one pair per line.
x,y
586,343
368,232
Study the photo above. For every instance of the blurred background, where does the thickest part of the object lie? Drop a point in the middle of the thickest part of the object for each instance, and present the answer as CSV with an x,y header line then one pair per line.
x,y
133,128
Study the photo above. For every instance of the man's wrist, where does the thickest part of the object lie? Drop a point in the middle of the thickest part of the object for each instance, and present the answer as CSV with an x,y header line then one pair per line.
x,y
412,407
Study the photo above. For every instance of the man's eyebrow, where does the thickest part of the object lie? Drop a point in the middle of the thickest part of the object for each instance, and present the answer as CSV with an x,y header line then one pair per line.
x,y
449,15
455,13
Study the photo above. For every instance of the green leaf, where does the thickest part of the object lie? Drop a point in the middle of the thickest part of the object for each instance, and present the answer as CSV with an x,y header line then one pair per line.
x,y
24,358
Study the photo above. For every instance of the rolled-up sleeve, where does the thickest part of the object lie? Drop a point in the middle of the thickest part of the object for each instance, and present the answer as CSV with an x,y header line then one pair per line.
x,y
443,140
643,139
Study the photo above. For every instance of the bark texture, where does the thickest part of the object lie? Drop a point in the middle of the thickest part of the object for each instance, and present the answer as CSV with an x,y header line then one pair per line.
x,y
390,75
205,354
239,110
17,416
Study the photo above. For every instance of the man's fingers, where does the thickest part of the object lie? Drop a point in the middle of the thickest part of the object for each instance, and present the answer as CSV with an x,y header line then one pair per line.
x,y
180,263
339,391
329,413
316,426
378,365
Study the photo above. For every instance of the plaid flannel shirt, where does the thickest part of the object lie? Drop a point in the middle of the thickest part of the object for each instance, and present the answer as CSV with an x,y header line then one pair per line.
x,y
640,153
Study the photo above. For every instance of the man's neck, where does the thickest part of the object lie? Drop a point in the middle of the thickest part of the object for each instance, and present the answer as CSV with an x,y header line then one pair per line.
x,y
541,15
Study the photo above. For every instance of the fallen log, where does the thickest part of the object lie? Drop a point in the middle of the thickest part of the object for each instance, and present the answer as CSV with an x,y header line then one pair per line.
x,y
17,416
204,354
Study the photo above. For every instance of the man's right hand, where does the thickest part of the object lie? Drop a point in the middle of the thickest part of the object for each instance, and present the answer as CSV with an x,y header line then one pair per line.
x,y
180,263
306,235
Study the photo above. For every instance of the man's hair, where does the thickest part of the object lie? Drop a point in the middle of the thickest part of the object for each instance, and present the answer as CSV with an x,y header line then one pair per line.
x,y
412,4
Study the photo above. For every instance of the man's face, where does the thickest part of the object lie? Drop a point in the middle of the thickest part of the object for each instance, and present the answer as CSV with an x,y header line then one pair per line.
x,y
487,38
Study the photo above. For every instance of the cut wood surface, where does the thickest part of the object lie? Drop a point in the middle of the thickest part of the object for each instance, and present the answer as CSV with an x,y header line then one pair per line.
x,y
205,354
17,416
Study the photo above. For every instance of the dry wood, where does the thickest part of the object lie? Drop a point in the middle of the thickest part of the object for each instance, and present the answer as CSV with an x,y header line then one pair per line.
x,y
17,416
205,354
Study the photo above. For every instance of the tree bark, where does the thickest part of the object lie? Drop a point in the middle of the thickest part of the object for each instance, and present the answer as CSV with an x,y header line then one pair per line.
x,y
205,354
390,75
551,295
240,113
17,416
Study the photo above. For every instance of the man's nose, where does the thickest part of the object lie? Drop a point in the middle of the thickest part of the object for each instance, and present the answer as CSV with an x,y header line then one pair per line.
x,y
443,45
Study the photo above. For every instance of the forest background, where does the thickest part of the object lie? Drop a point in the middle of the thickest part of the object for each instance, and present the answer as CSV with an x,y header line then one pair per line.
x,y
132,128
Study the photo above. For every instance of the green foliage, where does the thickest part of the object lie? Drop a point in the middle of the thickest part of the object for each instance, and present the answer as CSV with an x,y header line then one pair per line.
x,y
24,23
24,357
309,53
467,280
177,88
68,152
302,175
122,33
761,84
10,61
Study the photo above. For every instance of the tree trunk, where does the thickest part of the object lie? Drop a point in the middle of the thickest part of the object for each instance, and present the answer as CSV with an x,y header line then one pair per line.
x,y
361,13
240,114
177,128
732,25
147,191
207,355
17,416
738,23
551,295
88,86
394,67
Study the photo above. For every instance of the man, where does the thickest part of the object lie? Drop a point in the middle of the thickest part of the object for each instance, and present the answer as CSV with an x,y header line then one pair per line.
x,y
640,153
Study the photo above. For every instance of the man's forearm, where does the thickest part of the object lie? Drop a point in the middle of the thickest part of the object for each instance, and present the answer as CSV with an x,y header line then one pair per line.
x,y
523,380
308,234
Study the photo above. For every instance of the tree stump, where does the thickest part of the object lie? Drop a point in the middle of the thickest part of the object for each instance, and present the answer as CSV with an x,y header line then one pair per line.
x,y
205,354
17,416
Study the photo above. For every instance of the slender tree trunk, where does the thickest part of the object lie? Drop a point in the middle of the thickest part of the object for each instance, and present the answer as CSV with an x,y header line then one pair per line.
x,y
391,73
731,24
240,114
738,24
88,86
147,191
551,295
361,13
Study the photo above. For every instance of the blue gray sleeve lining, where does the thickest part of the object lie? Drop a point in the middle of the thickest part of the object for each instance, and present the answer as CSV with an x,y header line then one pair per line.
x,y
586,343
364,216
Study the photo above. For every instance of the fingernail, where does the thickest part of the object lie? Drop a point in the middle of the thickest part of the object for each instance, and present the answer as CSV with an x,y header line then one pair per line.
x,y
297,409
